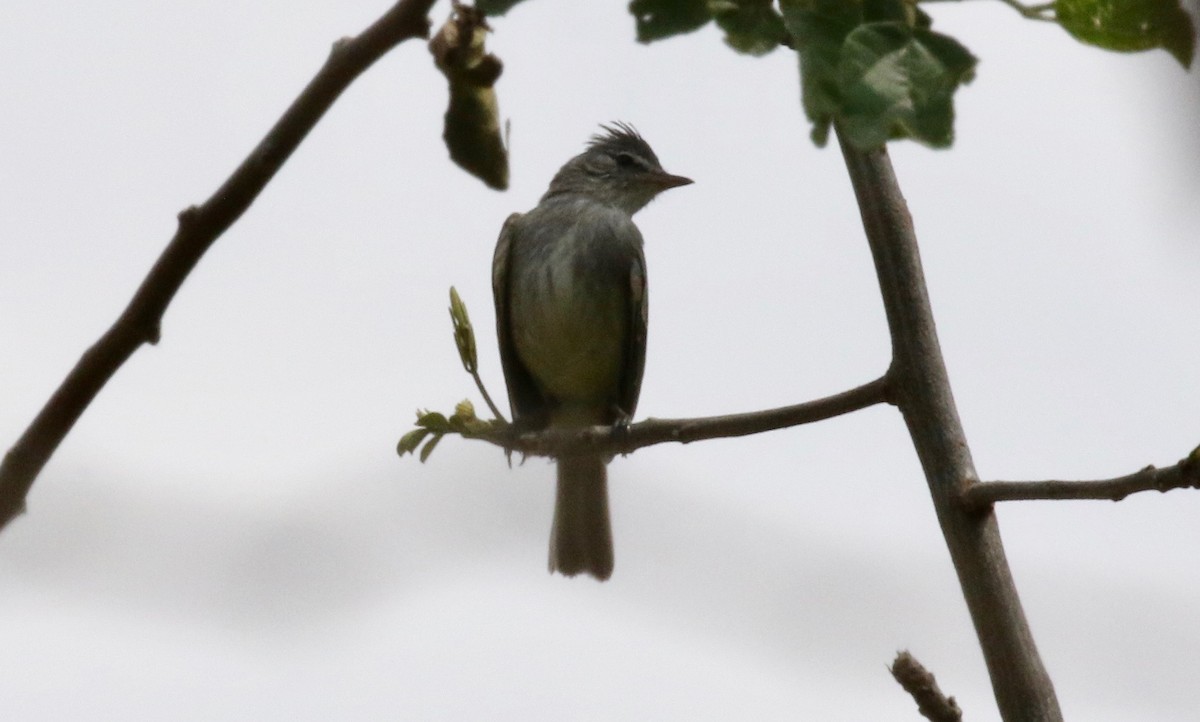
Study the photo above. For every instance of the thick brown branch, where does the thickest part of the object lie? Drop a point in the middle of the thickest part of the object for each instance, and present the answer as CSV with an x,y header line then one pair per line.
x,y
199,227
1184,475
920,684
623,440
921,388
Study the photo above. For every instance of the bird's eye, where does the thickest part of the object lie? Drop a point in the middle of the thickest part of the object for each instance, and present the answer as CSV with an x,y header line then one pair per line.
x,y
625,160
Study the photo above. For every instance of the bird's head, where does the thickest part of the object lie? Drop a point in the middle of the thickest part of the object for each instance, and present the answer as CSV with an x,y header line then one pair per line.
x,y
619,168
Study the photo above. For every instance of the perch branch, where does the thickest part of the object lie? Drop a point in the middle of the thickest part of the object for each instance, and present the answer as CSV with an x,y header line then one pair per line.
x,y
199,227
1184,475
920,684
623,440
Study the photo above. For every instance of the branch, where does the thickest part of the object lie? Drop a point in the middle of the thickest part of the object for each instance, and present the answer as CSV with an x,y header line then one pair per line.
x,y
624,440
921,388
199,227
920,684
1184,475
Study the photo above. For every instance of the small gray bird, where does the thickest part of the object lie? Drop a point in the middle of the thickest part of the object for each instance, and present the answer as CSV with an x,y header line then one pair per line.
x,y
569,280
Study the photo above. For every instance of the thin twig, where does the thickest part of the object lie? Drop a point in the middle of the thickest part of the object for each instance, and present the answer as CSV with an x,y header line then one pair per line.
x,y
487,398
1033,12
1184,475
920,684
199,227
625,439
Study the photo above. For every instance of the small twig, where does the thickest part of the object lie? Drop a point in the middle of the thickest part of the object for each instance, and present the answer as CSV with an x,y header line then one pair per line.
x,y
918,682
625,439
1033,12
199,227
1184,475
487,398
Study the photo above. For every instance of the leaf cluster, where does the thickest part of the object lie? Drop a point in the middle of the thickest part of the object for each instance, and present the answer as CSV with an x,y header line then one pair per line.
x,y
876,67
433,426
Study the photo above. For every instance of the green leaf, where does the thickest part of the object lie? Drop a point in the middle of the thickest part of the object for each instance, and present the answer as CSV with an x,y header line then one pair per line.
x,y
899,82
751,26
429,447
875,67
819,28
878,11
433,421
659,19
495,7
464,334
464,420
410,441
1130,25
465,410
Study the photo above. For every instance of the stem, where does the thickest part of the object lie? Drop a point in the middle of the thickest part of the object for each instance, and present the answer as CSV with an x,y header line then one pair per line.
x,y
1032,12
487,398
921,388
199,227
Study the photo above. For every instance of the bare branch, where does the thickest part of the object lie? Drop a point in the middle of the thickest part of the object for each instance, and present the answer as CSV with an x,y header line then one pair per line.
x,y
920,386
1184,475
918,682
623,440
199,227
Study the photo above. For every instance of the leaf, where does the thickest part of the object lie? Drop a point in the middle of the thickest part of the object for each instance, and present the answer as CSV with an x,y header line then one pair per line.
x,y
410,441
877,11
471,125
464,410
464,334
899,82
463,419
1130,25
433,421
875,67
659,19
751,26
819,28
495,7
429,447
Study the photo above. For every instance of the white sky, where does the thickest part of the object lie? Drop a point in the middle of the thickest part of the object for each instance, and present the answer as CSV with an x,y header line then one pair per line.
x,y
227,533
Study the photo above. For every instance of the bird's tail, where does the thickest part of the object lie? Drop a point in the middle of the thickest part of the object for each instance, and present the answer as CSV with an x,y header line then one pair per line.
x,y
581,538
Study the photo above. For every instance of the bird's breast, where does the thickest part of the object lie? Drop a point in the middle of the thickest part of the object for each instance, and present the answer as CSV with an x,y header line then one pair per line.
x,y
569,317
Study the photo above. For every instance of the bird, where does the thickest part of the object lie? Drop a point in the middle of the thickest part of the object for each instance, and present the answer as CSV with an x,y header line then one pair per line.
x,y
569,284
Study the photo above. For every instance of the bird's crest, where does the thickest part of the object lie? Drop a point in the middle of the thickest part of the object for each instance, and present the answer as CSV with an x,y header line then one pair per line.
x,y
621,137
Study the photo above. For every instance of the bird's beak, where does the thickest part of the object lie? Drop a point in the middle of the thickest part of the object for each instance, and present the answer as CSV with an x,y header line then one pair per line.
x,y
665,180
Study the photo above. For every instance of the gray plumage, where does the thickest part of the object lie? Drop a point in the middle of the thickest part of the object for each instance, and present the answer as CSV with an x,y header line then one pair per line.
x,y
569,281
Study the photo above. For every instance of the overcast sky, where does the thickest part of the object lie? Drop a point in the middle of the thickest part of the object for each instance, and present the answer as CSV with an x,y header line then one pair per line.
x,y
228,534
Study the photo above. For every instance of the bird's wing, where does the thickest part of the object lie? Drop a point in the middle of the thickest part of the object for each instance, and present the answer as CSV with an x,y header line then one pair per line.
x,y
526,402
635,342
